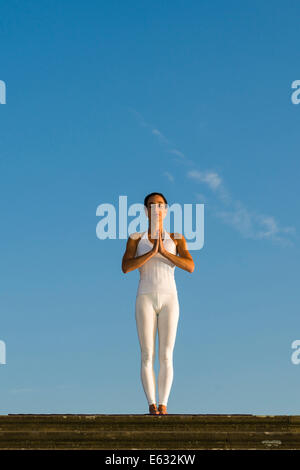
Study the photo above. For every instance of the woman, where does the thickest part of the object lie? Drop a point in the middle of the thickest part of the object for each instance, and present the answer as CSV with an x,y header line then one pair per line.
x,y
157,306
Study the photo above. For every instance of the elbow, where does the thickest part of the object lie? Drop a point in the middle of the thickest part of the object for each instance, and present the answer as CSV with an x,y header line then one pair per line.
x,y
191,270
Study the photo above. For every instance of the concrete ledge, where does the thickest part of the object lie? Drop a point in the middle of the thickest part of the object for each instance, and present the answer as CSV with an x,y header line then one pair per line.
x,y
170,432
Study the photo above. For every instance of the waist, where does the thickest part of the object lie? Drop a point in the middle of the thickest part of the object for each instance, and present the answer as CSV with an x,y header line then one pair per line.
x,y
151,285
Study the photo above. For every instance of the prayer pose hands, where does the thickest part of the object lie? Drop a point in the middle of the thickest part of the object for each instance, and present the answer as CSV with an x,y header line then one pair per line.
x,y
158,244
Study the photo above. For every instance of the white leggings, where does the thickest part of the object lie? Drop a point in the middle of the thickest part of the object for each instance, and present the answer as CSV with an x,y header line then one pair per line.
x,y
157,311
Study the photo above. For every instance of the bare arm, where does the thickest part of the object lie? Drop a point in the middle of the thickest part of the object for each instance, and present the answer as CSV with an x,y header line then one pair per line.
x,y
184,260
129,262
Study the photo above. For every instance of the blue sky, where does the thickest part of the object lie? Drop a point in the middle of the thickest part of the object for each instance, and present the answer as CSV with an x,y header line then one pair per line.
x,y
191,99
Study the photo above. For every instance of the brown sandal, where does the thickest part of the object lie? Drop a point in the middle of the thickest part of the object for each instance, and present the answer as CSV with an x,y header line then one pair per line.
x,y
153,409
162,409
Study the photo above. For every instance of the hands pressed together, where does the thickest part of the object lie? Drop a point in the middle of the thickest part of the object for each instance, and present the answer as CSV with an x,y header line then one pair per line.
x,y
158,246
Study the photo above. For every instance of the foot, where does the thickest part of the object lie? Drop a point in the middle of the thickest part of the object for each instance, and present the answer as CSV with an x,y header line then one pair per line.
x,y
153,409
162,409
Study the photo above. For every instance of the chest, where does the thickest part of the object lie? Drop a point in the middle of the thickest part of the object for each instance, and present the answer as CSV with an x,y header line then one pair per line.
x,y
144,245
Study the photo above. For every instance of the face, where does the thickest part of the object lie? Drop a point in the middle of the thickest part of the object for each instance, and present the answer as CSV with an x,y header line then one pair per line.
x,y
156,210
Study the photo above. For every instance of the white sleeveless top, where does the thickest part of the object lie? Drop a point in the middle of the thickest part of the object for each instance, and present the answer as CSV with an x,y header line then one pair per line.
x,y
156,274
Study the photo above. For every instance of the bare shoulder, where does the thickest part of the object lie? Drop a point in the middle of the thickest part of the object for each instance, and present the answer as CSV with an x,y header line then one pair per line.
x,y
176,237
136,236
181,244
131,246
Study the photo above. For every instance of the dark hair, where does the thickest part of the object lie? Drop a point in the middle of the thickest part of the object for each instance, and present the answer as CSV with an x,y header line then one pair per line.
x,y
153,194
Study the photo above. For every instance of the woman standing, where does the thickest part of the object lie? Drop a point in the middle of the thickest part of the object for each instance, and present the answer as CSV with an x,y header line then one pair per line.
x,y
157,306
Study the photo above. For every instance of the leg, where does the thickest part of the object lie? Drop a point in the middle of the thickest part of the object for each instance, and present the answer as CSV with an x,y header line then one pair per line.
x,y
146,321
167,328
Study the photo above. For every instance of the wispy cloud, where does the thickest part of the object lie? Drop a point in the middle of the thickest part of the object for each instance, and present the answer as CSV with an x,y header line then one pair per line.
x,y
139,117
249,223
158,134
212,179
201,197
255,225
176,152
169,176
161,137
214,182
